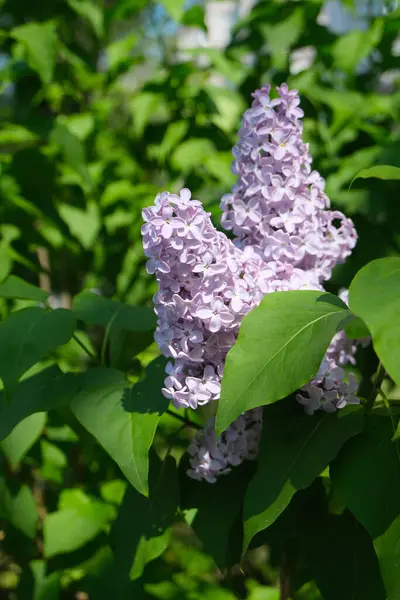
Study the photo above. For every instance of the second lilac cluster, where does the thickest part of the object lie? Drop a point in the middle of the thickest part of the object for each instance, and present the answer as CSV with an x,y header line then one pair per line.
x,y
278,206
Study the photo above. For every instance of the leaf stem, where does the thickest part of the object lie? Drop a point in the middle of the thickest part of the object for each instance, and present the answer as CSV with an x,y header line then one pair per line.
x,y
84,348
380,374
184,420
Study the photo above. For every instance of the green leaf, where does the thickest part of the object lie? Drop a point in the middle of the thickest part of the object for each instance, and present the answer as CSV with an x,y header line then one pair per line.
x,y
191,154
129,328
19,509
217,508
119,52
97,310
388,550
79,520
22,438
366,476
146,405
85,225
340,555
356,329
283,35
195,17
301,447
15,287
137,541
374,296
107,413
291,331
350,48
379,172
73,152
90,11
40,41
174,8
47,390
143,107
46,587
29,335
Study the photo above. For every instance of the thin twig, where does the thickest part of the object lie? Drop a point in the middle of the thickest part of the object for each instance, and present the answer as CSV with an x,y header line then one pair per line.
x,y
187,422
284,579
380,374
85,348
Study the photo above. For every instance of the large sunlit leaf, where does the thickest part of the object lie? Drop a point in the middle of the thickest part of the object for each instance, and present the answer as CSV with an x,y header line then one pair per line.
x,y
374,296
295,448
29,335
123,421
280,347
366,476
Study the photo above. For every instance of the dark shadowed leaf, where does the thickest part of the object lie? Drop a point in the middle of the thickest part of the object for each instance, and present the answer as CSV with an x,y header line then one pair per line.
x,y
130,328
295,448
217,520
47,390
97,310
29,335
366,476
15,287
137,541
291,331
374,296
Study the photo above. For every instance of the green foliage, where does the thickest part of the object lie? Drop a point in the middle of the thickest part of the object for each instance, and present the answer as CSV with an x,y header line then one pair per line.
x,y
302,447
372,456
102,106
374,296
136,542
28,336
281,327
78,520
22,437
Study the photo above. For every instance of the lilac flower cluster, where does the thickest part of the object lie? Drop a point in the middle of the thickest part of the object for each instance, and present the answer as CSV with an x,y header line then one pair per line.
x,y
278,207
286,238
206,286
212,456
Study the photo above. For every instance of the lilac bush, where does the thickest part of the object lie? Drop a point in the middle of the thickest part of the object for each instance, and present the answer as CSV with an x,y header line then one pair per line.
x,y
285,238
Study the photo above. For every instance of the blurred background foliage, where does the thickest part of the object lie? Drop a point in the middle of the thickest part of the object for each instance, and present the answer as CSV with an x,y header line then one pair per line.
x,y
104,103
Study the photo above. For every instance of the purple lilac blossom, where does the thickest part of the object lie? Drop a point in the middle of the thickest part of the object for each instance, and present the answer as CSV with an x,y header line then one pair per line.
x,y
286,238
278,206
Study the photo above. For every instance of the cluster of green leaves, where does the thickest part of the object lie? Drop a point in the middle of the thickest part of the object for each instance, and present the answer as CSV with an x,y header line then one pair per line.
x,y
100,110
